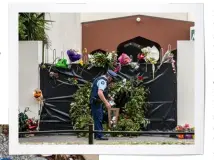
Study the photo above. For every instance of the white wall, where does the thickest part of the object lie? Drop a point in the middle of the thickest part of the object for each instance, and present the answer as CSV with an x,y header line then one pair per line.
x,y
185,82
86,17
64,33
29,75
191,17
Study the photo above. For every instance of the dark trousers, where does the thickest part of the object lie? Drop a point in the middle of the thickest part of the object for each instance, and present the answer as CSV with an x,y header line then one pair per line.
x,y
97,114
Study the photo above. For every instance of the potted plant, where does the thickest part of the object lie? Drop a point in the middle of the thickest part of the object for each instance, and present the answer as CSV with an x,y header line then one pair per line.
x,y
32,27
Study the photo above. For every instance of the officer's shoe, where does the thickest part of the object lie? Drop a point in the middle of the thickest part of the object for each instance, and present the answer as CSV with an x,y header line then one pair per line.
x,y
102,138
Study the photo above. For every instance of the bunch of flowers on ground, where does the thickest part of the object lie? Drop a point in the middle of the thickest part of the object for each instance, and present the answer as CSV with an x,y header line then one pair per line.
x,y
185,128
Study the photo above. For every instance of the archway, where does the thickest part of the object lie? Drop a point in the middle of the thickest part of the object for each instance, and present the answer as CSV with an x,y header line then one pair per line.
x,y
133,46
98,50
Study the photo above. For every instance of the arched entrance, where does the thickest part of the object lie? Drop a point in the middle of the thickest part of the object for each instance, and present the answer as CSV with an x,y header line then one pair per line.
x,y
132,47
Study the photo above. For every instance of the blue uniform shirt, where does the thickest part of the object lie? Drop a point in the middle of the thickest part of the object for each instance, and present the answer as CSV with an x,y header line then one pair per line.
x,y
101,84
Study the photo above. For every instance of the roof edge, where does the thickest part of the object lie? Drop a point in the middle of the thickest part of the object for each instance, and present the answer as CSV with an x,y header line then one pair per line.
x,y
123,17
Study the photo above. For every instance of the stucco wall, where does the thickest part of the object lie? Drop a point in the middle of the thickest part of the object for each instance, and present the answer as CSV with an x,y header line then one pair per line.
x,y
185,82
64,33
29,52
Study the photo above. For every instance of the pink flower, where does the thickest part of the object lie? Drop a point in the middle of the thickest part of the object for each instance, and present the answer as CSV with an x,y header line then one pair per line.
x,y
186,126
124,59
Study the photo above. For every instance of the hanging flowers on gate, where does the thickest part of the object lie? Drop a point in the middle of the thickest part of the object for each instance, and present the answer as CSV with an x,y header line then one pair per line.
x,y
124,59
73,55
152,56
38,94
99,59
168,57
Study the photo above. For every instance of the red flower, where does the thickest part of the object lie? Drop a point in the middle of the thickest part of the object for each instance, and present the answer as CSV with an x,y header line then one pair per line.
x,y
140,78
140,56
75,78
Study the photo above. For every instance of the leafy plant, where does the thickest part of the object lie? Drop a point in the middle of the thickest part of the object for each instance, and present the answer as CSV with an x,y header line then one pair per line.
x,y
129,97
99,59
32,27
80,108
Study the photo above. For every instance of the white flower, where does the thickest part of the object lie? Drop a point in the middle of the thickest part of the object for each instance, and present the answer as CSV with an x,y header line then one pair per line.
x,y
110,56
146,49
124,81
114,118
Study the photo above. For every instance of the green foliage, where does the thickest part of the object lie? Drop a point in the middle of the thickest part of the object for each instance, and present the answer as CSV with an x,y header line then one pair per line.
x,y
22,122
22,28
32,26
132,116
80,108
99,59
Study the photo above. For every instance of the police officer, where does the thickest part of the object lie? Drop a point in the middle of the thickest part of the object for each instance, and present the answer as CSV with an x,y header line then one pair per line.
x,y
99,96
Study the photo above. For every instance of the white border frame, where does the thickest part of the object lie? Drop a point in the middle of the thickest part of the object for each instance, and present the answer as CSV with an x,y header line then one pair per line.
x,y
16,148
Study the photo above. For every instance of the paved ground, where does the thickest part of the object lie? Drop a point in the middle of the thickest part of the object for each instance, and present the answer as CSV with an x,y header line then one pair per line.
x,y
70,139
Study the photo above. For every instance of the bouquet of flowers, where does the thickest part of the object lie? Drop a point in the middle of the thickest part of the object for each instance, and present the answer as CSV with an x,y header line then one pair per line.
x,y
184,128
113,122
151,55
102,60
124,59
168,57
26,123
73,55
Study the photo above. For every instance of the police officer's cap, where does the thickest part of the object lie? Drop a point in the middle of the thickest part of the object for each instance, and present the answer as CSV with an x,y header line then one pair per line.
x,y
112,73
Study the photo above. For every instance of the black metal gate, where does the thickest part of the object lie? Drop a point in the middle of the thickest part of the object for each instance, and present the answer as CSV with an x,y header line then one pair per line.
x,y
163,95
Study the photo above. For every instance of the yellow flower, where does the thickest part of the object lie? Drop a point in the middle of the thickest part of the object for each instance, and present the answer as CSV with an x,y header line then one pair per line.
x,y
81,62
